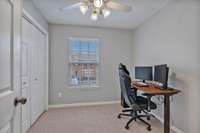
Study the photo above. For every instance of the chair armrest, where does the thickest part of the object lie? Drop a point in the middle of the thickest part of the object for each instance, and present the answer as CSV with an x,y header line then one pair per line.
x,y
147,95
134,90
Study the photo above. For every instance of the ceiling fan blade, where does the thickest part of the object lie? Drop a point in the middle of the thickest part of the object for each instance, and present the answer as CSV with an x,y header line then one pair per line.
x,y
77,5
118,6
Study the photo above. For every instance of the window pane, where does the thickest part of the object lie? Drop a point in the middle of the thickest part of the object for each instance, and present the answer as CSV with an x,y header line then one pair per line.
x,y
92,51
93,47
78,74
84,50
83,74
76,46
93,73
75,50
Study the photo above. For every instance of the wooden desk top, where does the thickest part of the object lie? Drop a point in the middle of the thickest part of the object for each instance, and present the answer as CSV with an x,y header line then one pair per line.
x,y
153,90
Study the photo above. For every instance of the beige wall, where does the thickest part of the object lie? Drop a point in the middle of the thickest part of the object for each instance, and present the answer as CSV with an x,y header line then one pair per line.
x,y
172,36
115,47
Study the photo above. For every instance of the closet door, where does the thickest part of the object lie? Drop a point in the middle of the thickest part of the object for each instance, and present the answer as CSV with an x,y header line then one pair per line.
x,y
33,72
37,70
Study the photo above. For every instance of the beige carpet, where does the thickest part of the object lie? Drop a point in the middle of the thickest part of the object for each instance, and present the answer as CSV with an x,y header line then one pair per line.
x,y
91,119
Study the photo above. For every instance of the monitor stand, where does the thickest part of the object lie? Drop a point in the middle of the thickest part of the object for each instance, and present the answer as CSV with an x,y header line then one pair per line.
x,y
165,86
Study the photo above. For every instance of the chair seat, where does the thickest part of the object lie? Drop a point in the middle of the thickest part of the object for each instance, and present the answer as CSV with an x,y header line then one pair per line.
x,y
144,101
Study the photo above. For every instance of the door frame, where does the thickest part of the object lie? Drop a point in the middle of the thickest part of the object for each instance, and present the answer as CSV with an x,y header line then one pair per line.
x,y
35,23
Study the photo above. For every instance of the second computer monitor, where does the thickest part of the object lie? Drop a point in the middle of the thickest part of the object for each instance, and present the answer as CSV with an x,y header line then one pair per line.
x,y
161,74
143,73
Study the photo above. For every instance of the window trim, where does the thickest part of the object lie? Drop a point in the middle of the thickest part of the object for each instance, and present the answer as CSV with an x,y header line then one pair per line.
x,y
97,85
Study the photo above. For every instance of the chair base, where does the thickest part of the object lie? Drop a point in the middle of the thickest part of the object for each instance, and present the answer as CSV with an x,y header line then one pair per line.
x,y
135,117
123,114
127,110
149,115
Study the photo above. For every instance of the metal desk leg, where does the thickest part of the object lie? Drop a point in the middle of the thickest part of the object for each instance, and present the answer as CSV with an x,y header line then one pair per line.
x,y
166,114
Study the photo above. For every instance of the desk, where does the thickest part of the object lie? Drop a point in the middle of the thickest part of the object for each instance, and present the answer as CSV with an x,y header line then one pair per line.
x,y
152,90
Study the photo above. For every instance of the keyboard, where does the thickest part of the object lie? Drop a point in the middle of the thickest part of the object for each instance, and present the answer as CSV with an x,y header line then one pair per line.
x,y
141,84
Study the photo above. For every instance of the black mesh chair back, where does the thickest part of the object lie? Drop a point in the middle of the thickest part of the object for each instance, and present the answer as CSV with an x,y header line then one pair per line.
x,y
127,93
123,67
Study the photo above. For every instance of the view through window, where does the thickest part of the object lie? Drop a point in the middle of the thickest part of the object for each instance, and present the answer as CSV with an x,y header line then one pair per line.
x,y
84,62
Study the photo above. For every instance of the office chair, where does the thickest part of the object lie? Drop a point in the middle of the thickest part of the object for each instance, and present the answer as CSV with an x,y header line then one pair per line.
x,y
123,103
135,103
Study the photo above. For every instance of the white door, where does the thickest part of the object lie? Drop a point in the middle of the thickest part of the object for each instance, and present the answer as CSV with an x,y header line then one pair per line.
x,y
10,12
37,74
25,74
33,72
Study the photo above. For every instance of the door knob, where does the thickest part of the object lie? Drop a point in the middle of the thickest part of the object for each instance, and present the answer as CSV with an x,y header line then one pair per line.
x,y
21,100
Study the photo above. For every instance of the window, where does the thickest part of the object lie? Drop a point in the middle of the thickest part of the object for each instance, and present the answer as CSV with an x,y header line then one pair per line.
x,y
84,62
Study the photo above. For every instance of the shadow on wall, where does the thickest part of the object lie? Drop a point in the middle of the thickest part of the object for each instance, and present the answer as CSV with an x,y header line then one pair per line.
x,y
181,103
198,75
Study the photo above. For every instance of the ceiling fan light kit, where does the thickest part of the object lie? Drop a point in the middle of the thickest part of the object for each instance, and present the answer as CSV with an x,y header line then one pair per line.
x,y
94,15
98,3
106,13
99,8
84,8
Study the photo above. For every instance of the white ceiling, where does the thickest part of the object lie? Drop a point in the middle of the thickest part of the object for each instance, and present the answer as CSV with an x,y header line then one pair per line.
x,y
142,10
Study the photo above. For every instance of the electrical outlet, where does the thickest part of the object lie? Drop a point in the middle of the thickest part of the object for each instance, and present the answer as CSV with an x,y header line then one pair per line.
x,y
59,94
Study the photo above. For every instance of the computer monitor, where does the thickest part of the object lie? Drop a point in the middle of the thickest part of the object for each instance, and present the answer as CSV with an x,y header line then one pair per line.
x,y
161,74
143,73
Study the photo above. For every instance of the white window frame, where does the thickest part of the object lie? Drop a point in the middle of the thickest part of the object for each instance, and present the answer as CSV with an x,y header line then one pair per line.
x,y
97,85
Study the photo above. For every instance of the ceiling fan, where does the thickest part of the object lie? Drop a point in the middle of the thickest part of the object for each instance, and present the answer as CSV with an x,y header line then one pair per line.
x,y
98,8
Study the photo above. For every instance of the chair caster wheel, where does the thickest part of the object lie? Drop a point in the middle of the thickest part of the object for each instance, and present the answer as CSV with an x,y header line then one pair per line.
x,y
148,118
119,116
149,128
127,127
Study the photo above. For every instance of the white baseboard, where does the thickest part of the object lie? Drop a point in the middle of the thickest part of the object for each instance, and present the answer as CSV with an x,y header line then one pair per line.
x,y
173,128
83,104
176,130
